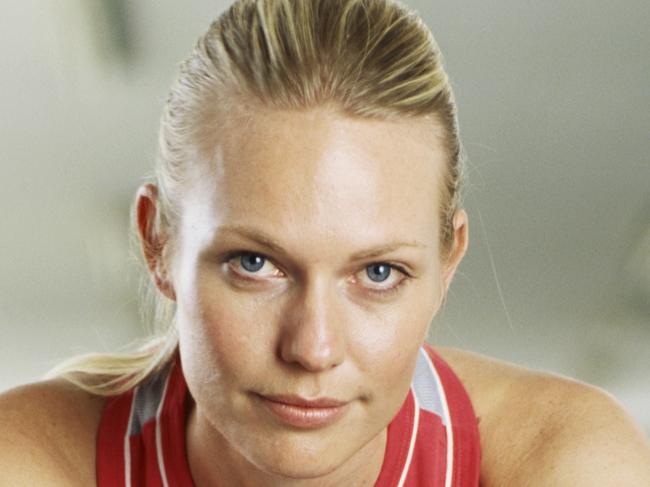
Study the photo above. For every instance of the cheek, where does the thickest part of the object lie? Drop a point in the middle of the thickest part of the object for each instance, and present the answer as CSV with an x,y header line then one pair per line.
x,y
389,343
220,334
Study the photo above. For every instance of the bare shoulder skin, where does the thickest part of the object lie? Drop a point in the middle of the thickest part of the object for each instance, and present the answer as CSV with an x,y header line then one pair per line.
x,y
47,435
536,429
539,429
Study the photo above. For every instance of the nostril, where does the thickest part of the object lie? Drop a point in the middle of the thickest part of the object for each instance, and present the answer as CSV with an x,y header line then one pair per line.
x,y
312,336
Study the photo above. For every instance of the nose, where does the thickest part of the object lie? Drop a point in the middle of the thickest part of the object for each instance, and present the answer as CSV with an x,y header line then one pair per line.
x,y
313,335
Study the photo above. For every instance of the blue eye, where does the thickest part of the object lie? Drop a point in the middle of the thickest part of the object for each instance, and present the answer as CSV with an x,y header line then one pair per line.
x,y
378,272
379,279
252,262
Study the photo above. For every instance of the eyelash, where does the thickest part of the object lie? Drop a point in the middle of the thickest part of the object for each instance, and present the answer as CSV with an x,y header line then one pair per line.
x,y
378,292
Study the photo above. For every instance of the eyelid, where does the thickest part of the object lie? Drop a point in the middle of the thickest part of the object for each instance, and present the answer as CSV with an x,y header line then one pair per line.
x,y
378,290
387,289
244,274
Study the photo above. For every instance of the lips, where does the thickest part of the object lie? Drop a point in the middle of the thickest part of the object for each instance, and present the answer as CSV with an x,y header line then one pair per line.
x,y
323,402
305,413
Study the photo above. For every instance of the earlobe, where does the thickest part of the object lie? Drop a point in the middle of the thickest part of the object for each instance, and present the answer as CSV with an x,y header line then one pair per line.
x,y
153,243
165,286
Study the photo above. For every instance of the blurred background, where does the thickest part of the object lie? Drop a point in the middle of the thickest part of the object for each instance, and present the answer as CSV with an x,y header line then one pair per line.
x,y
554,102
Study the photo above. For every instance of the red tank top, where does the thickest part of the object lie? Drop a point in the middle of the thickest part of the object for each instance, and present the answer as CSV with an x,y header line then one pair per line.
x,y
432,441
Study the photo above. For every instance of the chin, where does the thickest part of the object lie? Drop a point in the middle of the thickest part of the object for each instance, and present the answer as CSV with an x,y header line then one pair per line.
x,y
298,458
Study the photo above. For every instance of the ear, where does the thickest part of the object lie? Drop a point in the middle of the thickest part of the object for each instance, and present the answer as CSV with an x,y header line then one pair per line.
x,y
459,247
153,243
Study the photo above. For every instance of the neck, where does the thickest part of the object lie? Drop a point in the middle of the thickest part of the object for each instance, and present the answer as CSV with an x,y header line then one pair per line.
x,y
214,462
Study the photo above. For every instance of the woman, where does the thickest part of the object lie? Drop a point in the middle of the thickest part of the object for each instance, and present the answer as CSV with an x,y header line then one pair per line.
x,y
301,232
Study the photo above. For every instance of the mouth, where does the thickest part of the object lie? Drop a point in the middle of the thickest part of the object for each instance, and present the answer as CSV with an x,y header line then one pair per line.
x,y
305,413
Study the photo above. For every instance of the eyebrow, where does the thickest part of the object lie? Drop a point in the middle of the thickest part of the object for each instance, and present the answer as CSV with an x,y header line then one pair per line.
x,y
263,239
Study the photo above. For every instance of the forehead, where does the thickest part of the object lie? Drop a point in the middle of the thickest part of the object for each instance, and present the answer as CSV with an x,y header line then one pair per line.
x,y
319,175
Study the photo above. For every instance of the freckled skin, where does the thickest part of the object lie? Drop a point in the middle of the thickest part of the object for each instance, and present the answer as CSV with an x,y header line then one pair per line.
x,y
323,187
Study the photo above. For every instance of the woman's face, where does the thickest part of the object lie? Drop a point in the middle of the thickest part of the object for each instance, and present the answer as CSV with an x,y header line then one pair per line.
x,y
307,267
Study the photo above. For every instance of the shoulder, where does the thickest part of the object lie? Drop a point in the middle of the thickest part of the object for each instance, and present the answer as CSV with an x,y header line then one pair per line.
x,y
47,434
542,429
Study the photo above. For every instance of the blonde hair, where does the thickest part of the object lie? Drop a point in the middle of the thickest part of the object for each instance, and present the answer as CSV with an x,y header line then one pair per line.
x,y
373,59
